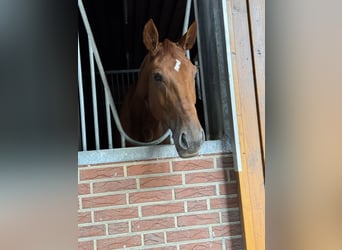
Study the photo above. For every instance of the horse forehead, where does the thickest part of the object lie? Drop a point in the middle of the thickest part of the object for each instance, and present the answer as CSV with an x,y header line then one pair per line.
x,y
175,64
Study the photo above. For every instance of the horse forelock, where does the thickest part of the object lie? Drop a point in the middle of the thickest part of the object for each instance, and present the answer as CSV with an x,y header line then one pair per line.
x,y
168,48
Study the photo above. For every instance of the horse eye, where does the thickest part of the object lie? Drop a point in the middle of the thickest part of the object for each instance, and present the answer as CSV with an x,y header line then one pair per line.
x,y
158,77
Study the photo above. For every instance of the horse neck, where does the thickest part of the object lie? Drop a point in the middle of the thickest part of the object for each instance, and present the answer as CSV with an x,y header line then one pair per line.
x,y
143,114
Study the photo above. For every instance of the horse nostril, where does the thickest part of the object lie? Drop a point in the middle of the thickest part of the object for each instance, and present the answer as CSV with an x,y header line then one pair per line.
x,y
183,141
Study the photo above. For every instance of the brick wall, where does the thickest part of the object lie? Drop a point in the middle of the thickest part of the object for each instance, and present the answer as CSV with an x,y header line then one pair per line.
x,y
165,204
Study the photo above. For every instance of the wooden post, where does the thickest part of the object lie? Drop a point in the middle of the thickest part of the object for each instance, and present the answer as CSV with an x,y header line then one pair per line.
x,y
247,49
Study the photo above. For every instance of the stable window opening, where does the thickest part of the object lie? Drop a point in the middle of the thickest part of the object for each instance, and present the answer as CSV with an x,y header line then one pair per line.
x,y
117,29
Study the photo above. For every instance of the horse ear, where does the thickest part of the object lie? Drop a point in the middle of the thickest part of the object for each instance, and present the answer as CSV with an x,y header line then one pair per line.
x,y
150,36
189,38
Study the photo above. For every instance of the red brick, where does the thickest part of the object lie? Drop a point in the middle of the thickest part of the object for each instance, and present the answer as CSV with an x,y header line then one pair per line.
x,y
152,168
84,217
163,248
213,245
187,165
83,188
225,162
116,214
117,185
170,208
191,234
161,181
235,244
193,192
118,228
231,216
232,175
85,245
198,219
119,242
141,197
224,203
89,231
228,188
154,238
100,173
197,205
227,230
102,201
152,224
205,177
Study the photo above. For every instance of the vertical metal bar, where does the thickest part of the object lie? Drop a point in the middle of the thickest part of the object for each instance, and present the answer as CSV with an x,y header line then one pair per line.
x,y
128,82
93,88
236,144
171,139
205,106
116,85
109,123
133,77
81,97
111,82
198,83
123,142
186,21
125,7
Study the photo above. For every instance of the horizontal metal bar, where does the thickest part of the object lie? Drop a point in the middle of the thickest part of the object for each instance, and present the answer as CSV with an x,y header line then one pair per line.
x,y
147,153
122,71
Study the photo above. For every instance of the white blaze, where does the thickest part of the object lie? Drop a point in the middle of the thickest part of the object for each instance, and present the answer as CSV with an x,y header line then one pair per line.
x,y
177,65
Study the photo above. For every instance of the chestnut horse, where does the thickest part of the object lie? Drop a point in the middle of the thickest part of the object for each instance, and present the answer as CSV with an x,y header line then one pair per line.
x,y
164,95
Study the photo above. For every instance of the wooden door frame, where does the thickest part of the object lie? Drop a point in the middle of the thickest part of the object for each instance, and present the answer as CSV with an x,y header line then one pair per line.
x,y
246,38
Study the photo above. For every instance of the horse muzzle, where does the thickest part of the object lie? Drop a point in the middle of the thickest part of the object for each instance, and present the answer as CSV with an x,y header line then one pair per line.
x,y
188,141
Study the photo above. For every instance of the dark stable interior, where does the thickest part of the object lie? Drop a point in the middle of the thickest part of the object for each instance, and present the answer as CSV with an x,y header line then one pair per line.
x,y
118,25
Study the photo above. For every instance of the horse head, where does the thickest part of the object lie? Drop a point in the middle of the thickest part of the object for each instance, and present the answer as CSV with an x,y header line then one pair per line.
x,y
169,78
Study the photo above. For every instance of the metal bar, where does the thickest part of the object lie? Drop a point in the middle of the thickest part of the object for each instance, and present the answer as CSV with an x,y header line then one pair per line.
x,y
205,108
133,77
171,139
145,153
198,83
123,141
116,84
121,71
81,98
111,83
186,21
125,7
109,123
236,145
106,87
93,90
